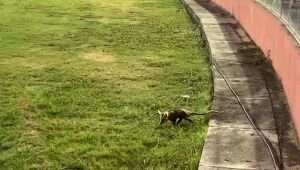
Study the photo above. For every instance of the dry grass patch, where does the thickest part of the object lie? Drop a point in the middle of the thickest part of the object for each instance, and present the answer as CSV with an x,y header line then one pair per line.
x,y
30,133
23,62
100,56
118,4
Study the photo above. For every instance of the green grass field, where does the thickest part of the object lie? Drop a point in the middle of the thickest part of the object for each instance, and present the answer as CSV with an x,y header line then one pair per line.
x,y
81,82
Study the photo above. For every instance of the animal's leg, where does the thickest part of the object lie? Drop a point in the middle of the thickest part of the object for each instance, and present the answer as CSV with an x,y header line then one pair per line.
x,y
189,120
174,122
179,120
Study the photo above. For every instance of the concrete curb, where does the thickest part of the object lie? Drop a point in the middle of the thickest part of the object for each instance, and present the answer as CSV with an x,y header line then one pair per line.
x,y
231,142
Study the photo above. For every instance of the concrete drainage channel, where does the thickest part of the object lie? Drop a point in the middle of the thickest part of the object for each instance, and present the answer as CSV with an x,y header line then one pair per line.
x,y
232,142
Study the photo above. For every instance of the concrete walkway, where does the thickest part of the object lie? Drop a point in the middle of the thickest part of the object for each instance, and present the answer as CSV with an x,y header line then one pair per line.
x,y
231,142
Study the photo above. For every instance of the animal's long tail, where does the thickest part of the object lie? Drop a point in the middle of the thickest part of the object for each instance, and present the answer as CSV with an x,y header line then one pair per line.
x,y
193,113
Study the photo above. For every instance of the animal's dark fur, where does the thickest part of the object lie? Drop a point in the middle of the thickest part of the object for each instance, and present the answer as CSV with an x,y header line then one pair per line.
x,y
176,116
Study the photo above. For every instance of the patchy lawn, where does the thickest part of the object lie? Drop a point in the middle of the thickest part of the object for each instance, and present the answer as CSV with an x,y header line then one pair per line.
x,y
81,82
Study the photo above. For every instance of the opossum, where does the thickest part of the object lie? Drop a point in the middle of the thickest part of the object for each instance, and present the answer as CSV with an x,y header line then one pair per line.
x,y
176,116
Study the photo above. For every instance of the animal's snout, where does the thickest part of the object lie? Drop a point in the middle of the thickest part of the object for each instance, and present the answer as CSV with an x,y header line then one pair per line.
x,y
161,120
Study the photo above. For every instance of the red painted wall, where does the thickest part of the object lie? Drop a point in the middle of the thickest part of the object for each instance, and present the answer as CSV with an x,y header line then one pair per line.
x,y
271,34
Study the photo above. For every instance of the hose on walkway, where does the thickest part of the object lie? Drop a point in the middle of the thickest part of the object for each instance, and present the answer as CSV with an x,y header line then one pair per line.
x,y
247,114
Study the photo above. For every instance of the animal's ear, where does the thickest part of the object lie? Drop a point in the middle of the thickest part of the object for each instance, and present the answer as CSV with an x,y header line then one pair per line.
x,y
159,112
